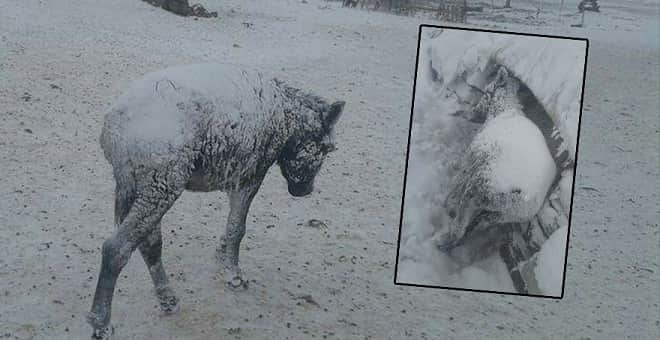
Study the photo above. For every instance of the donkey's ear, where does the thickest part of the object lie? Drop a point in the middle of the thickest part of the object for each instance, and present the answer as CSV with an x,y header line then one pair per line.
x,y
333,113
501,77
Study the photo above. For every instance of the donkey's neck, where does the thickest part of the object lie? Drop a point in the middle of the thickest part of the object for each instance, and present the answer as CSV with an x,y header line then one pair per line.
x,y
300,108
301,98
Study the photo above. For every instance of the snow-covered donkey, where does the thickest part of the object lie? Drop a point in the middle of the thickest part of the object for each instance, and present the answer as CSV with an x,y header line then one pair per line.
x,y
202,128
506,172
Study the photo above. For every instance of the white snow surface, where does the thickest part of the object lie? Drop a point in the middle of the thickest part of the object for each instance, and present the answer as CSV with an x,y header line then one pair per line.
x,y
552,68
549,268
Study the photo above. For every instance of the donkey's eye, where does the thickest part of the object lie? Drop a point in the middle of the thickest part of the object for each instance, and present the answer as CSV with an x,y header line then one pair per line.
x,y
326,148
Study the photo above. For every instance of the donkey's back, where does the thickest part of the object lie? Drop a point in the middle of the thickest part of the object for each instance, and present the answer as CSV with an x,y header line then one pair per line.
x,y
166,113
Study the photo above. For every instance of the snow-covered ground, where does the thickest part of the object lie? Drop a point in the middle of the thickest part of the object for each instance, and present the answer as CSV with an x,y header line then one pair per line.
x,y
62,64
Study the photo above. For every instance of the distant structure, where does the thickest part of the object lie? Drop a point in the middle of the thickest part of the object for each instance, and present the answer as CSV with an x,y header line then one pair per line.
x,y
349,3
588,5
445,10
453,11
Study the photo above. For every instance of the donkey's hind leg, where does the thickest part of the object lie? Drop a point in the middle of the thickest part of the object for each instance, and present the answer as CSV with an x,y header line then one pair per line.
x,y
154,197
151,250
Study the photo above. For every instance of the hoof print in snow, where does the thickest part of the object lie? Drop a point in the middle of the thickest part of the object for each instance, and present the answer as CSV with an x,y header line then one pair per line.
x,y
307,298
317,224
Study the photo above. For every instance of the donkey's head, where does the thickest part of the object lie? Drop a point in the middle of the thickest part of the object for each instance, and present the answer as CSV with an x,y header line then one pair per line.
x,y
494,89
469,205
303,155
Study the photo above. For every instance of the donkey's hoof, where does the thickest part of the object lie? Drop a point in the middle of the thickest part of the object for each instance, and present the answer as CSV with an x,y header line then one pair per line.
x,y
103,330
237,283
170,310
103,333
169,305
167,300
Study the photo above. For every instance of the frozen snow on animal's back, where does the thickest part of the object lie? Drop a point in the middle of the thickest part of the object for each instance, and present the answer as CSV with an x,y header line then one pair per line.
x,y
162,110
520,159
231,88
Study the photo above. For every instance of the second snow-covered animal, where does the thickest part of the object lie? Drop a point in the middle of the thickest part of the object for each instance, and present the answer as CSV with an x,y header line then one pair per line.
x,y
506,172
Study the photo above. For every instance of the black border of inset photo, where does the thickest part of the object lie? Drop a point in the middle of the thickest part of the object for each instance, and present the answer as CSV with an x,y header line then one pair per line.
x,y
405,176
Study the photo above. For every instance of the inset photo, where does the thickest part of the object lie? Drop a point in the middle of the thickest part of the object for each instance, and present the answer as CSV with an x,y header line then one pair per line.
x,y
491,161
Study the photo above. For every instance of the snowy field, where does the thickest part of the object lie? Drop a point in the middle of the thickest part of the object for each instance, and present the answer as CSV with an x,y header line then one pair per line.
x,y
62,64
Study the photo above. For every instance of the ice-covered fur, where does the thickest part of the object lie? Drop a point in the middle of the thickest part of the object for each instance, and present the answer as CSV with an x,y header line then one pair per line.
x,y
473,204
499,95
497,186
202,128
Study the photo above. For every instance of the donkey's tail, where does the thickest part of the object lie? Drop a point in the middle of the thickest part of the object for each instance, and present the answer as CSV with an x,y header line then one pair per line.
x,y
124,196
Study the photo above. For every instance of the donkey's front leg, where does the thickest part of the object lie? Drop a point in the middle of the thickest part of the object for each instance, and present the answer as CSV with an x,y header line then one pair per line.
x,y
239,203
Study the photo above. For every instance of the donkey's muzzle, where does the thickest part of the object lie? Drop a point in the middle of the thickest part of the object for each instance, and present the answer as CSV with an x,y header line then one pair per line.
x,y
301,189
446,242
